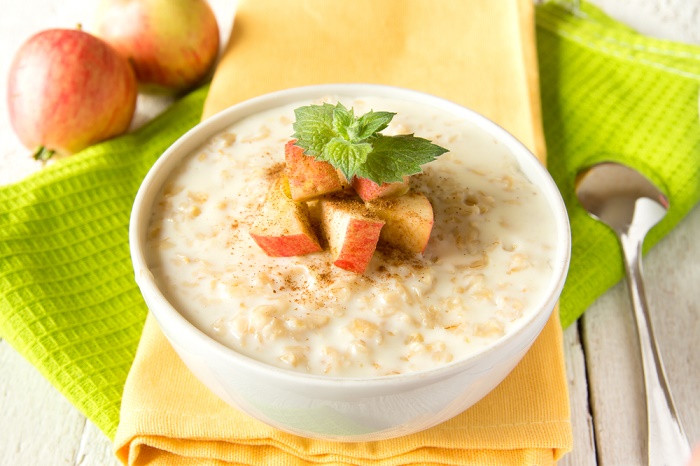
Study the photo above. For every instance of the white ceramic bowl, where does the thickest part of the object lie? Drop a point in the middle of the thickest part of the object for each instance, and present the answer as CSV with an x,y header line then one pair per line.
x,y
336,408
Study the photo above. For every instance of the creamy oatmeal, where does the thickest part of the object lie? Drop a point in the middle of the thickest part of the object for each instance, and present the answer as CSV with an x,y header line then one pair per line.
x,y
488,259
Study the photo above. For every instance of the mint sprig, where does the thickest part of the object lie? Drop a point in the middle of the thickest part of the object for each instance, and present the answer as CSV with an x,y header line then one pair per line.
x,y
355,146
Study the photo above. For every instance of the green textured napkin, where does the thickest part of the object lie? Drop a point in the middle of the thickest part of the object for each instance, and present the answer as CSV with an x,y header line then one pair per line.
x,y
609,93
69,303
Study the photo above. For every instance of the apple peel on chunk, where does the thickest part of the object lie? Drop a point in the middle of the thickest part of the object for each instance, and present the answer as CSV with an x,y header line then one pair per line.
x,y
308,177
368,190
409,221
352,232
282,228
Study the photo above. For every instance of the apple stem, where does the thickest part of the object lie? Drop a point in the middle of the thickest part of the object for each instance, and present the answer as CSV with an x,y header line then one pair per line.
x,y
43,154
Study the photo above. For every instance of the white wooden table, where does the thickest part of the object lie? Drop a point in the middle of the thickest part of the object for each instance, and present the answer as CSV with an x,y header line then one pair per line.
x,y
38,426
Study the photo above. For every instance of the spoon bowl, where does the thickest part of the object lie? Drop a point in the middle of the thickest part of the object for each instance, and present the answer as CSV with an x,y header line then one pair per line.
x,y
631,205
621,197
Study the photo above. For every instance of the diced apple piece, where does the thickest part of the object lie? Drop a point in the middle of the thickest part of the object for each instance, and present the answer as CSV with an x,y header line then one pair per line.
x,y
344,183
352,232
308,177
409,221
314,206
282,228
369,190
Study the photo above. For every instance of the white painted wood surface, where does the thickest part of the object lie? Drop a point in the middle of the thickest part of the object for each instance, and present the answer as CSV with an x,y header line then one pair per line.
x,y
39,427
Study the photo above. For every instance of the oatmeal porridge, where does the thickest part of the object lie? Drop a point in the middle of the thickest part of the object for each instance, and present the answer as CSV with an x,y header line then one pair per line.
x,y
486,265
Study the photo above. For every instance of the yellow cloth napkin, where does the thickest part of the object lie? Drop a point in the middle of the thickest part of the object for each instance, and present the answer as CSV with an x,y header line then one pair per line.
x,y
478,53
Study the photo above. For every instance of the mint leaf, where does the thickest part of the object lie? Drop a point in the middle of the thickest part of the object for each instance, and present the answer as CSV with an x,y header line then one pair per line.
x,y
373,122
343,120
346,156
392,157
355,146
314,127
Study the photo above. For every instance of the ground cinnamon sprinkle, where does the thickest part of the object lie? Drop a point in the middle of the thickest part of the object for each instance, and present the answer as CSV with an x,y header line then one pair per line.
x,y
325,278
407,312
290,284
394,256
274,171
352,203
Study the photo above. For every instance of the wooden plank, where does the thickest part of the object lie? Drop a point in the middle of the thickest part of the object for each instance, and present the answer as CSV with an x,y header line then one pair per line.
x,y
673,289
37,424
583,453
615,378
612,352
665,19
95,448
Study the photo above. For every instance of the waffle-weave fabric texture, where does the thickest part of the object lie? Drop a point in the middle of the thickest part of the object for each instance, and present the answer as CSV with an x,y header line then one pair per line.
x,y
609,93
69,303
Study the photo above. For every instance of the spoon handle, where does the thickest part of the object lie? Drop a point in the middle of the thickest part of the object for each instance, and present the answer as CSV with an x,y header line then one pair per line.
x,y
667,442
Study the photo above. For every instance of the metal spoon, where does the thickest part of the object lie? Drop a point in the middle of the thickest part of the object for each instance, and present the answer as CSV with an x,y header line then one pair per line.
x,y
630,204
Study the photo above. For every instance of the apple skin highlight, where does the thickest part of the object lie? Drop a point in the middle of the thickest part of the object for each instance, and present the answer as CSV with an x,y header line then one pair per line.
x,y
172,44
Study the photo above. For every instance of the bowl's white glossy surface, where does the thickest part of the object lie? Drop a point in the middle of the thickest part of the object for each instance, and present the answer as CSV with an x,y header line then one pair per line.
x,y
334,408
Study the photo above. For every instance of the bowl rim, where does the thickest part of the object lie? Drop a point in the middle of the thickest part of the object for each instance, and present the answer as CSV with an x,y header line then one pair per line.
x,y
203,131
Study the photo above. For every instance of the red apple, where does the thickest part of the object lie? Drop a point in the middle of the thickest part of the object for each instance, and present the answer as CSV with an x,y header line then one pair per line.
x,y
308,177
172,44
409,221
352,232
68,90
369,190
282,228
